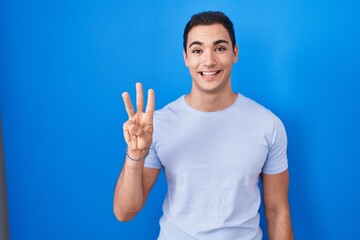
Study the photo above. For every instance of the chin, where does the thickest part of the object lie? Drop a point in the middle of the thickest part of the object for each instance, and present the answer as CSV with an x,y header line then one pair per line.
x,y
211,88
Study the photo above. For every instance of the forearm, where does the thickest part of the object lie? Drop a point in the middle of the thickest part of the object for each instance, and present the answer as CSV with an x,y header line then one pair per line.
x,y
276,205
129,190
279,225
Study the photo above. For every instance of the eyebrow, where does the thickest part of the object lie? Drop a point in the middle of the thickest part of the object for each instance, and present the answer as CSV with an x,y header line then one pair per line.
x,y
214,43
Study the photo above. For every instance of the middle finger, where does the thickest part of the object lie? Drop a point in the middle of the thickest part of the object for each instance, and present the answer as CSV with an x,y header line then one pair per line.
x,y
139,97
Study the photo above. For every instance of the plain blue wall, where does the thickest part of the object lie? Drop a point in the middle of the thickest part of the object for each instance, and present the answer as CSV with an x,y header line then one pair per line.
x,y
64,65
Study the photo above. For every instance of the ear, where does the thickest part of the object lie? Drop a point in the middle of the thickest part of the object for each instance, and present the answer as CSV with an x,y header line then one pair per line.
x,y
236,53
185,58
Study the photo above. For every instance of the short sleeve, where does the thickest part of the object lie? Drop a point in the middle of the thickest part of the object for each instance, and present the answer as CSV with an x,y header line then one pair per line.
x,y
277,161
152,160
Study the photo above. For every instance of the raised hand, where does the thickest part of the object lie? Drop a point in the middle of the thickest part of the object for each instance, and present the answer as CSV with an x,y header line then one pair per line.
x,y
138,129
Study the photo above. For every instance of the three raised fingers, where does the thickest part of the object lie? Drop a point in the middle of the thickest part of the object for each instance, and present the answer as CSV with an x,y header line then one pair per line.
x,y
150,107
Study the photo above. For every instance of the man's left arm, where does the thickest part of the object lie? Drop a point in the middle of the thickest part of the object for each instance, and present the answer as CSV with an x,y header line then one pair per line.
x,y
276,204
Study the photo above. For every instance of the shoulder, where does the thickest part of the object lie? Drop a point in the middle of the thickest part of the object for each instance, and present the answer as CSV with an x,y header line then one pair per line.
x,y
251,107
170,110
257,114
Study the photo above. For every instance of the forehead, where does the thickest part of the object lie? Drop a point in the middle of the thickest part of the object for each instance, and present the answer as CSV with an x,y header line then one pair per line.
x,y
208,33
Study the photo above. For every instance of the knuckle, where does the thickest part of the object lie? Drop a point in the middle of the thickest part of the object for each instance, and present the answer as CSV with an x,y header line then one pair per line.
x,y
127,124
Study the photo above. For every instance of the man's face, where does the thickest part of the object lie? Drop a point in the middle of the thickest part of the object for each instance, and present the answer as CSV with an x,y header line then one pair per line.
x,y
209,57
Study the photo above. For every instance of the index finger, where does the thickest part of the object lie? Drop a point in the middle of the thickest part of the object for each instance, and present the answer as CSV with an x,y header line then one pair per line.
x,y
150,106
128,105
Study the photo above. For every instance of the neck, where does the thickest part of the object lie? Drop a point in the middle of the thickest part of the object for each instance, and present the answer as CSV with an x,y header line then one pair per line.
x,y
210,102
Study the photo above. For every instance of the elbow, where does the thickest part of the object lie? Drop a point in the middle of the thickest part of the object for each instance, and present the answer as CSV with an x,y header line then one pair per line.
x,y
124,214
121,216
274,215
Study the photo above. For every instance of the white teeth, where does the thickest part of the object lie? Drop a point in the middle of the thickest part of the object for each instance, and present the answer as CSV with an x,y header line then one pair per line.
x,y
208,73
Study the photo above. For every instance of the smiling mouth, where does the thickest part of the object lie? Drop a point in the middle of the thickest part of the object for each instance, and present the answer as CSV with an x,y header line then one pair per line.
x,y
208,73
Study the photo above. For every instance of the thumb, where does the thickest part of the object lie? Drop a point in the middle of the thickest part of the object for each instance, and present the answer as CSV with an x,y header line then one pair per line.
x,y
136,130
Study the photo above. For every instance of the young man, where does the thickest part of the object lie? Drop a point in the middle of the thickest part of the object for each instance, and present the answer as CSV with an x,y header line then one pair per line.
x,y
213,145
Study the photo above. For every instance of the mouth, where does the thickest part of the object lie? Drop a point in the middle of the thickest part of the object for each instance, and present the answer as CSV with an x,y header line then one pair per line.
x,y
209,73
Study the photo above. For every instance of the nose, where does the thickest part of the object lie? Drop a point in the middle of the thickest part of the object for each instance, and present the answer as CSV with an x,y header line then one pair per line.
x,y
209,59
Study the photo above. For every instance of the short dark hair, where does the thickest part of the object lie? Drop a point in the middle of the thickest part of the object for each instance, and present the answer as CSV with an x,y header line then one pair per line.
x,y
209,18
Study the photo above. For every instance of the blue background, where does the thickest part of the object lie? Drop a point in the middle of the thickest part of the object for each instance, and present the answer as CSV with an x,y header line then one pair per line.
x,y
64,65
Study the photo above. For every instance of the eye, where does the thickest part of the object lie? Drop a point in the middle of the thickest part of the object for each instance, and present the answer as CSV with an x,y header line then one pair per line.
x,y
220,49
196,51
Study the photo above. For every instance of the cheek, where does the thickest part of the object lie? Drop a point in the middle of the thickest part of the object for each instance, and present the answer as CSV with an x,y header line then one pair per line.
x,y
228,61
192,64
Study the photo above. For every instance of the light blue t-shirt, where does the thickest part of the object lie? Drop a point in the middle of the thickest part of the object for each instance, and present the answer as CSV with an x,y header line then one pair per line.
x,y
212,162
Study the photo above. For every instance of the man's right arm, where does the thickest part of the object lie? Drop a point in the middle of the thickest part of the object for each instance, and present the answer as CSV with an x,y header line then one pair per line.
x,y
135,181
